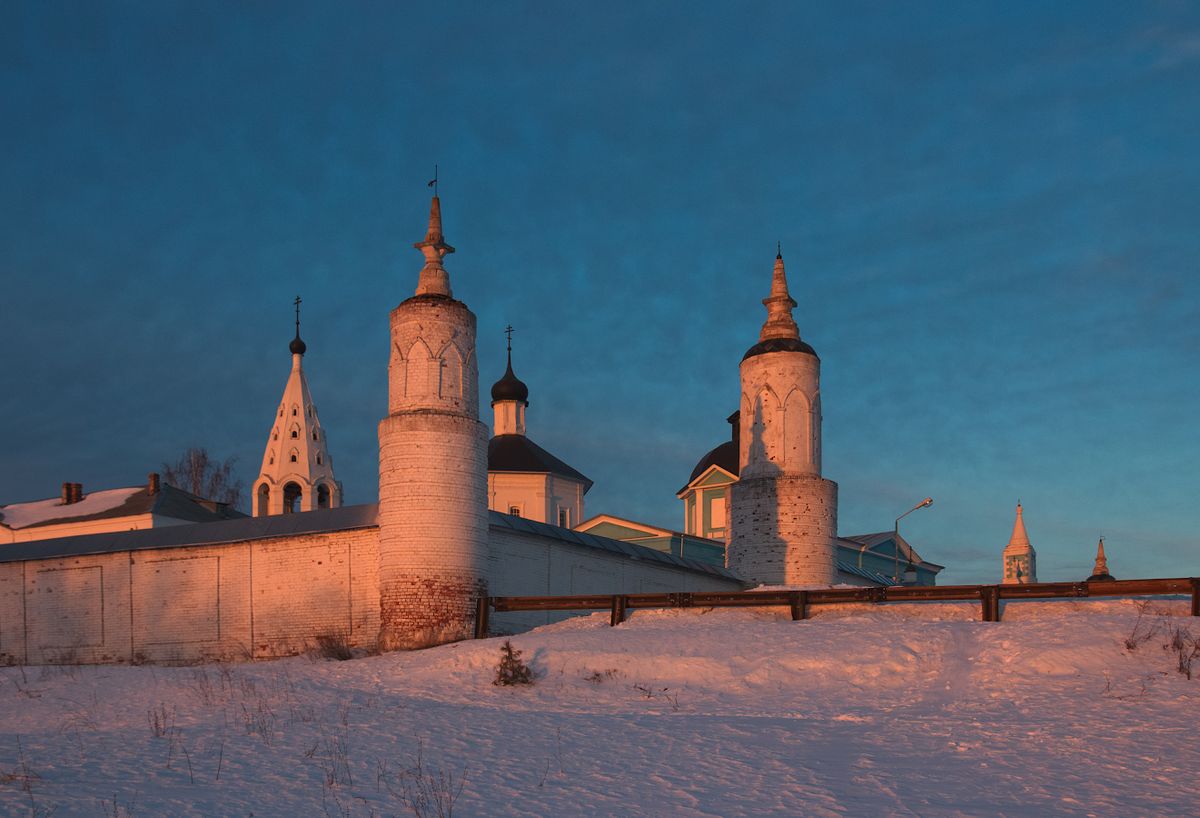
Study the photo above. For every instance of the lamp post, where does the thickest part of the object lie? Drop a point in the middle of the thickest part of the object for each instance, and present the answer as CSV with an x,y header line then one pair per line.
x,y
910,573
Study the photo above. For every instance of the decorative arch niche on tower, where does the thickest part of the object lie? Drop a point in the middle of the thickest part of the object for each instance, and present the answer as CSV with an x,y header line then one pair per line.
x,y
450,373
797,423
420,371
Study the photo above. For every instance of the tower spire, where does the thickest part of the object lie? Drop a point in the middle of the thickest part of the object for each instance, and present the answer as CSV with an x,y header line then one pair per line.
x,y
779,304
1100,569
1020,559
434,280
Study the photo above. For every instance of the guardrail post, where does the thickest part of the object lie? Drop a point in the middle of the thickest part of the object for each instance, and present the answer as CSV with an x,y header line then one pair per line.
x,y
989,596
799,604
481,617
618,610
1195,596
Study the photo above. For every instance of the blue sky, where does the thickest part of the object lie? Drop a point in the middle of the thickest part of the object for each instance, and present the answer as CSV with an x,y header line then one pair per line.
x,y
988,213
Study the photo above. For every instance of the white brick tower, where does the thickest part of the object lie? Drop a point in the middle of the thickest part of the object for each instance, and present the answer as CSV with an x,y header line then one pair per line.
x,y
783,513
297,471
1020,560
433,533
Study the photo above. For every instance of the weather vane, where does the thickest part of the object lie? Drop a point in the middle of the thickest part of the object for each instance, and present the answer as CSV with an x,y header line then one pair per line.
x,y
433,181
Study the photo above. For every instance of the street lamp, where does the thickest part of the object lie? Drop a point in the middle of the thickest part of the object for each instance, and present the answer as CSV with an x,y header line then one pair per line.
x,y
910,571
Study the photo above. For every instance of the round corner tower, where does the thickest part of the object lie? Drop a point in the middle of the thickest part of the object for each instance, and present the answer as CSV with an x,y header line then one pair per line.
x,y
433,532
783,514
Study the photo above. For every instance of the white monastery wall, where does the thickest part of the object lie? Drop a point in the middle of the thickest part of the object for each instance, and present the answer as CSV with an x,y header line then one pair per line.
x,y
255,599
523,564
267,598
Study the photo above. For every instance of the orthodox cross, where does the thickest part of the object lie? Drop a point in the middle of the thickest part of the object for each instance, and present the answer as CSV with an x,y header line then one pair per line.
x,y
297,302
508,331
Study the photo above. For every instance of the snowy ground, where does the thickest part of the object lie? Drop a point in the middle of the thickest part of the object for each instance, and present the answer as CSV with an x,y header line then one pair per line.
x,y
901,710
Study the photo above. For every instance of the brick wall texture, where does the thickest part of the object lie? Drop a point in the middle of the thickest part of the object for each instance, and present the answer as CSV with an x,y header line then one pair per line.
x,y
256,599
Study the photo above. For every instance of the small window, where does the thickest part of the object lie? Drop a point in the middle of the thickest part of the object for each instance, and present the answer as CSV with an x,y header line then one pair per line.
x,y
293,411
314,434
275,435
514,511
318,460
281,411
293,458
272,460
564,517
295,434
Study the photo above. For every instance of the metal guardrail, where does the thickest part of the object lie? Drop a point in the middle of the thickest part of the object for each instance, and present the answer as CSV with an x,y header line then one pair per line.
x,y
989,597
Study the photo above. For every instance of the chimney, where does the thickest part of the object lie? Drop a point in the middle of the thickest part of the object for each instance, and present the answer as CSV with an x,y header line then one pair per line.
x,y
76,492
152,482
66,494
735,420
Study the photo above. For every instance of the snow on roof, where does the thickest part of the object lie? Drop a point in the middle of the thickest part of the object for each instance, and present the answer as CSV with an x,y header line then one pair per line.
x,y
22,515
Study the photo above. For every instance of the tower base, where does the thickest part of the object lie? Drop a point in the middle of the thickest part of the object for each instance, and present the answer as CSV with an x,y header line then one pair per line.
x,y
784,530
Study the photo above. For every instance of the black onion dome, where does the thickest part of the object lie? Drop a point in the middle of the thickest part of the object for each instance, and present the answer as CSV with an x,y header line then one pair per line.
x,y
510,387
1105,577
297,346
779,345
725,456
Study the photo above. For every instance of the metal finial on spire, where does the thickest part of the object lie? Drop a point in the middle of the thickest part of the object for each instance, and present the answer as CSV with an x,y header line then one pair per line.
x,y
433,182
778,249
297,346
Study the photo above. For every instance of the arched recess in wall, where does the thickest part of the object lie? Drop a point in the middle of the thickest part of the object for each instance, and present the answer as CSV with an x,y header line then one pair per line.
x,y
263,499
797,425
398,365
450,367
291,498
814,431
323,496
420,371
764,429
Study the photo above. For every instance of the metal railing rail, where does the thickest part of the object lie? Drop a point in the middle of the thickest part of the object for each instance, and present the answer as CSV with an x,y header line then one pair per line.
x,y
989,597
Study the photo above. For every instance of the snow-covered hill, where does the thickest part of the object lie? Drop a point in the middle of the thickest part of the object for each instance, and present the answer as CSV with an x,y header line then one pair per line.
x,y
904,710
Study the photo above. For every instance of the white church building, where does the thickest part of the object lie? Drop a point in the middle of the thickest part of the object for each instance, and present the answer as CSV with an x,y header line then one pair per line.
x,y
461,514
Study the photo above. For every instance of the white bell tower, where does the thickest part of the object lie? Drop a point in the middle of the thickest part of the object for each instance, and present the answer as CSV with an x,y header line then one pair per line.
x,y
297,471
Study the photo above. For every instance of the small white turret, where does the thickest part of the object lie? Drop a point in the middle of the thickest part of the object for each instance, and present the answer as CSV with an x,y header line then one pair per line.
x,y
297,471
1020,560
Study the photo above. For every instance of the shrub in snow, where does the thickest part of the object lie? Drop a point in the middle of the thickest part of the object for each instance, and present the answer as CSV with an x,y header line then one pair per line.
x,y
512,671
334,645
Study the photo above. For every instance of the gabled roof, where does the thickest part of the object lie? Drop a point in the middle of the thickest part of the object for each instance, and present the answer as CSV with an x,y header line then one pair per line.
x,y
168,501
624,522
872,543
517,453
